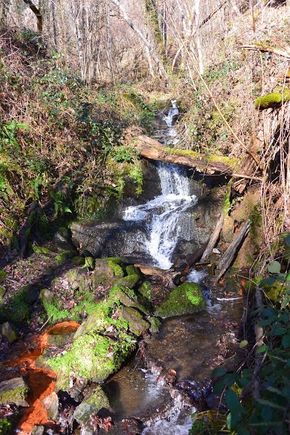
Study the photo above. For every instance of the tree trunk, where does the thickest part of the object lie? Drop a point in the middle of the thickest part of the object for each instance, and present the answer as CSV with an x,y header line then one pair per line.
x,y
37,13
147,45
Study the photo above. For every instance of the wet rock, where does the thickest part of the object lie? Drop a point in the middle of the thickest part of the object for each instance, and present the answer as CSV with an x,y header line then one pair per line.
x,y
38,430
154,325
109,239
62,239
185,299
137,324
91,404
51,404
13,391
8,332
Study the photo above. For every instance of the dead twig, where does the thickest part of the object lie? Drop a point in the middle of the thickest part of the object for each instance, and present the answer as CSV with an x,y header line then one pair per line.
x,y
268,49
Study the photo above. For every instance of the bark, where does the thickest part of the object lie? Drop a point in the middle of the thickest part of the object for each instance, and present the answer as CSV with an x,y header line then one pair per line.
x,y
213,240
37,13
230,254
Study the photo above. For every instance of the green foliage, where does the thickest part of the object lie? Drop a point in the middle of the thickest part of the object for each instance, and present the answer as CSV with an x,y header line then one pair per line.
x,y
123,154
267,413
5,426
220,71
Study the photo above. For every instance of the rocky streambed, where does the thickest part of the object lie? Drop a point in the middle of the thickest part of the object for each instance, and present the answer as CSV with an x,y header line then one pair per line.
x,y
125,343
132,363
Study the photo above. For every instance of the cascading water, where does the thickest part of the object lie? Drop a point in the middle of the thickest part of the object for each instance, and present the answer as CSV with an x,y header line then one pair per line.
x,y
162,214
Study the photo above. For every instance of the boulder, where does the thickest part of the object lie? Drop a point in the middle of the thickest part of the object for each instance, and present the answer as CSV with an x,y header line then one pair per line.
x,y
185,299
134,318
91,404
14,391
51,404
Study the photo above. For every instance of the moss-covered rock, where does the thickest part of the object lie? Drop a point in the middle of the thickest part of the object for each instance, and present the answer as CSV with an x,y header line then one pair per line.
x,y
128,281
92,357
91,405
185,299
273,99
137,325
155,324
127,297
13,391
145,291
18,309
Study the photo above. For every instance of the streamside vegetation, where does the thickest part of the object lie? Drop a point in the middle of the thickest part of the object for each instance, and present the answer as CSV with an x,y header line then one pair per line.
x,y
81,81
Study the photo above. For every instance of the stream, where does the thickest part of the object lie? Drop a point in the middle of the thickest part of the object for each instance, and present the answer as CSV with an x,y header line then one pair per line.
x,y
168,379
190,346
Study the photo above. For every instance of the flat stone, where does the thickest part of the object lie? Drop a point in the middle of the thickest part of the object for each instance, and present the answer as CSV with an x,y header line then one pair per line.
x,y
13,391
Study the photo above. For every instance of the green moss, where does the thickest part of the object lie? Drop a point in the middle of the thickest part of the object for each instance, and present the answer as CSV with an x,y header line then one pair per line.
x,y
3,275
232,162
40,249
128,281
5,426
92,357
89,263
114,264
13,391
185,299
98,398
273,99
18,309
91,405
2,293
145,290
134,318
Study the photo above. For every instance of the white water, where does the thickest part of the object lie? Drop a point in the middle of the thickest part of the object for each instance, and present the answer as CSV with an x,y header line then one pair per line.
x,y
177,420
171,133
162,215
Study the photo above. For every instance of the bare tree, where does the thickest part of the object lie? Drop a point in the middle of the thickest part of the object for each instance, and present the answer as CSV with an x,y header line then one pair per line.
x,y
149,46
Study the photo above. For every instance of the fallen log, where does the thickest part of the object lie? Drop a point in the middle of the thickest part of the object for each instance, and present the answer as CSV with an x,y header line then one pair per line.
x,y
230,254
151,149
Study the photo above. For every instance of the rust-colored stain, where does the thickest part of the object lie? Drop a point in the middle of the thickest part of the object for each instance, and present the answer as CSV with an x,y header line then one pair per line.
x,y
41,381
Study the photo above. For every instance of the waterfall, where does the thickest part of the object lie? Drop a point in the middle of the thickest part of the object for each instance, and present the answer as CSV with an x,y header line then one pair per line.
x,y
162,215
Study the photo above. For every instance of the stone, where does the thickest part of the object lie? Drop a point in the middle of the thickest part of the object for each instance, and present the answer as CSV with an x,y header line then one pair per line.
x,y
8,332
137,324
14,391
91,405
51,404
185,299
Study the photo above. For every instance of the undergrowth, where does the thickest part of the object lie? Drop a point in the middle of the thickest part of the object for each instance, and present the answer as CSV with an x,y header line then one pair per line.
x,y
56,138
